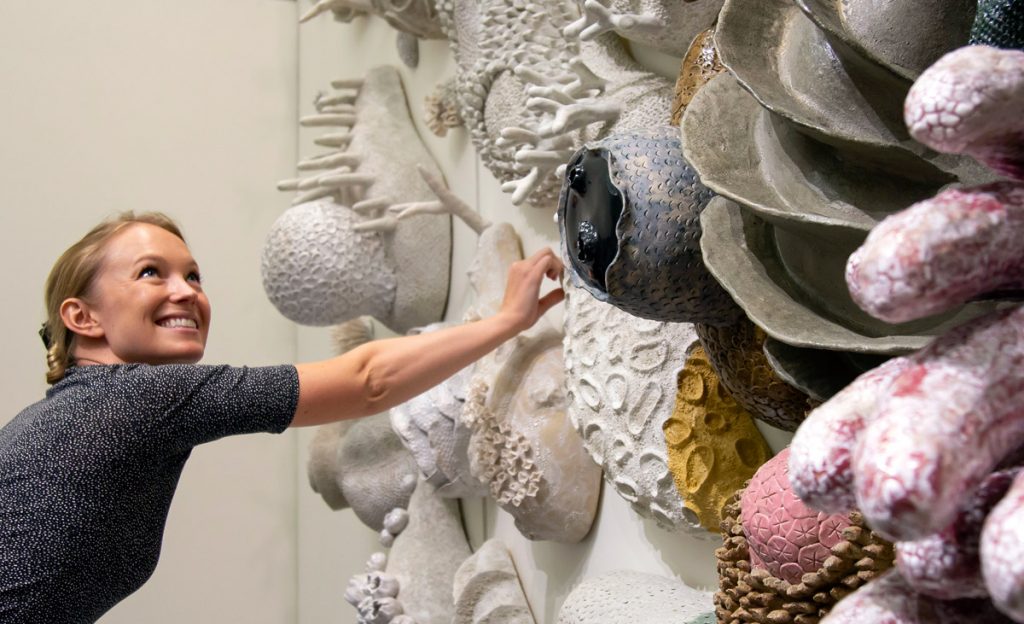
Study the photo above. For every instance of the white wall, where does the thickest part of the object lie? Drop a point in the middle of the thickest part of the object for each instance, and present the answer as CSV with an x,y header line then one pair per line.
x,y
186,107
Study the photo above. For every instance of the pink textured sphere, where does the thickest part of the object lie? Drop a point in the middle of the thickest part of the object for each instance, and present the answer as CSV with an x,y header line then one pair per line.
x,y
786,537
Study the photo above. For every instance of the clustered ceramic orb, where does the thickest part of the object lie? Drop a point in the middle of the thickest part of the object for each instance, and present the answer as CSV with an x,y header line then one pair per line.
x,y
317,270
784,563
629,220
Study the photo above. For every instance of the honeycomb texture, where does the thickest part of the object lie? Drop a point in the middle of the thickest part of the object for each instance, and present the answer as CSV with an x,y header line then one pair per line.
x,y
318,271
627,597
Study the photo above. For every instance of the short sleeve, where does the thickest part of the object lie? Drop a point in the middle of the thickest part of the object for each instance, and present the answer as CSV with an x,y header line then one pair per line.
x,y
185,405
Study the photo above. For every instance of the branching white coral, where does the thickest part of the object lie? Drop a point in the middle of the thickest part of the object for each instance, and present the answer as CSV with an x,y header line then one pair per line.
x,y
563,103
447,203
598,19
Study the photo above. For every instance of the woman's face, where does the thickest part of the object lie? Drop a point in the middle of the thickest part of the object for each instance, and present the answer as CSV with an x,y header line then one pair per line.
x,y
148,299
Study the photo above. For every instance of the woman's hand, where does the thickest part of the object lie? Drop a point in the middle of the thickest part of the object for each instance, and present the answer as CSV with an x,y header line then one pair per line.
x,y
522,304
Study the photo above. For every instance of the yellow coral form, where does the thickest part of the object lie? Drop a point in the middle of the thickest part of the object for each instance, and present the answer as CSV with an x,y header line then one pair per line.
x,y
700,65
713,445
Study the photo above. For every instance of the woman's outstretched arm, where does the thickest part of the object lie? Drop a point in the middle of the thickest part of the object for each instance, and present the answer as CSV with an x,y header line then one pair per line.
x,y
384,373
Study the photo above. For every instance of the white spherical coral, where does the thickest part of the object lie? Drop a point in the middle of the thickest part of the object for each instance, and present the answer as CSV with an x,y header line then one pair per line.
x,y
318,271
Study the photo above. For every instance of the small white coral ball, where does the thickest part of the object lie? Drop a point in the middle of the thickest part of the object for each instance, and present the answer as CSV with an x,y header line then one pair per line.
x,y
318,271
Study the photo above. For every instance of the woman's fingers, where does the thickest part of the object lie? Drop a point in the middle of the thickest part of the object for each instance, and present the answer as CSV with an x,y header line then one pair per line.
x,y
549,301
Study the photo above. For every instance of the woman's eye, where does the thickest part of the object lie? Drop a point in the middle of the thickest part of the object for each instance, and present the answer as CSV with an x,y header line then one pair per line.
x,y
195,277
149,272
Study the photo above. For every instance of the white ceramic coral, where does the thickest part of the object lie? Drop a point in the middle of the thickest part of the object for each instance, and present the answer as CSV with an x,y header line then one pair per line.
x,y
622,382
627,597
341,253
487,589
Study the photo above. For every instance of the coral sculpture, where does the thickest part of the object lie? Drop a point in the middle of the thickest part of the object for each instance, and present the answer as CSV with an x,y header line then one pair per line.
x,y
665,25
521,446
362,465
700,64
530,96
624,597
333,257
413,584
713,445
487,589
784,563
628,217
929,481
814,98
621,382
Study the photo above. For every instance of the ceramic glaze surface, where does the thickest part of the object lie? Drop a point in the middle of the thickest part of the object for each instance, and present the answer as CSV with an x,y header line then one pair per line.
x,y
621,381
623,597
658,272
487,589
713,445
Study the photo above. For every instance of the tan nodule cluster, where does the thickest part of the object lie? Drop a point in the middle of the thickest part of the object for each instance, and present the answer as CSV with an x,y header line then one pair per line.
x,y
713,445
441,109
700,65
500,457
747,595
737,354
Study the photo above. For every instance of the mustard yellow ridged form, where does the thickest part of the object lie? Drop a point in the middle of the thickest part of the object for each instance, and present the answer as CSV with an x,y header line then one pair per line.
x,y
713,445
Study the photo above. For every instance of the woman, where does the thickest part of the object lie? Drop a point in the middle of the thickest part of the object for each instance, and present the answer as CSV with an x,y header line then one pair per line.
x,y
87,474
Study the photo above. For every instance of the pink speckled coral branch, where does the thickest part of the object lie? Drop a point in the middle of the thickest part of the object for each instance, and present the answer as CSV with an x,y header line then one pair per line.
x,y
941,252
821,454
890,600
941,420
946,565
969,102
1002,552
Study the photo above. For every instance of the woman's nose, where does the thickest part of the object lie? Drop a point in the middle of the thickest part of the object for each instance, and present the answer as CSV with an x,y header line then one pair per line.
x,y
182,289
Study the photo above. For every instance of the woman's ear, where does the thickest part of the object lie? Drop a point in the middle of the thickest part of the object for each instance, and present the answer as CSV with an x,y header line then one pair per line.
x,y
79,319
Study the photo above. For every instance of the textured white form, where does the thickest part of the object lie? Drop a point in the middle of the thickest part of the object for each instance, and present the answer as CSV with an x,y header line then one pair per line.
x,y
622,382
426,556
530,96
666,25
487,589
394,270
363,465
627,597
430,427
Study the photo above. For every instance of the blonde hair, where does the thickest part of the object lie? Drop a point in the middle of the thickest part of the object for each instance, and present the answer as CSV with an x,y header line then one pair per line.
x,y
72,276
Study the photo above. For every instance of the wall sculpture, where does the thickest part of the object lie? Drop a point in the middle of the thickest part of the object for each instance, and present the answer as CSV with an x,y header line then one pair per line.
x,y
621,383
530,95
713,445
817,106
662,24
487,589
414,20
362,464
784,563
628,217
321,263
624,597
512,423
413,583
523,446
930,481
